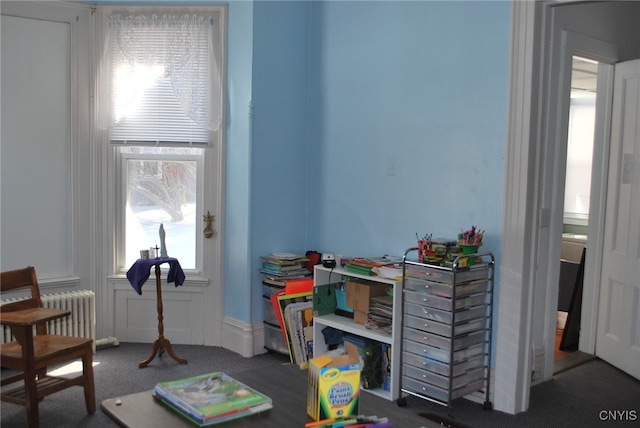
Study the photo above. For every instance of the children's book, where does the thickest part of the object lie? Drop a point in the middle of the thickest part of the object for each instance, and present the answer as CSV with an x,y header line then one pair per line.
x,y
211,398
284,300
298,317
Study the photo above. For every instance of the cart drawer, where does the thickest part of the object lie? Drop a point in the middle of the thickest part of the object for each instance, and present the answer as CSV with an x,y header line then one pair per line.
x,y
442,355
443,329
429,299
269,289
443,381
446,290
445,316
444,342
442,394
274,339
446,275
269,313
442,368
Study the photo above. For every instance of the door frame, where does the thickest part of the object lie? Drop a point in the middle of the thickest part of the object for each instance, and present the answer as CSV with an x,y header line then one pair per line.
x,y
532,216
556,137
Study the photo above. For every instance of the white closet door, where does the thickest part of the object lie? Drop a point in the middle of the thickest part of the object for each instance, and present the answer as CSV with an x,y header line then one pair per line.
x,y
618,332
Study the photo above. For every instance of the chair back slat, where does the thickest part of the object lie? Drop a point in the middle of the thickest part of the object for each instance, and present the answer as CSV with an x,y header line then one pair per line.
x,y
21,278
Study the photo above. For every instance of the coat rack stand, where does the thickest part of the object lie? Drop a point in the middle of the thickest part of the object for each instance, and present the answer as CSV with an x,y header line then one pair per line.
x,y
161,344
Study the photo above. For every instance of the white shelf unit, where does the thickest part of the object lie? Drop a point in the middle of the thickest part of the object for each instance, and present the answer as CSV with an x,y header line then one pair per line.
x,y
323,276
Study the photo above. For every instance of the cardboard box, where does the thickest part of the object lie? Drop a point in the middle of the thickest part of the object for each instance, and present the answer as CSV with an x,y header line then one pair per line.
x,y
359,292
359,317
334,385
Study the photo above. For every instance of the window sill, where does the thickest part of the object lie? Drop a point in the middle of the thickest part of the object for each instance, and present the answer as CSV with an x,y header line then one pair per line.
x,y
192,280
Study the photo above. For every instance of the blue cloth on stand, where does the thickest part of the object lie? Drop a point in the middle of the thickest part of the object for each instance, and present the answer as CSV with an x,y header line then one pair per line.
x,y
139,272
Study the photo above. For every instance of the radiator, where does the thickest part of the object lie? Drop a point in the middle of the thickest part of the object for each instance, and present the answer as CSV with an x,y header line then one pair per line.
x,y
81,322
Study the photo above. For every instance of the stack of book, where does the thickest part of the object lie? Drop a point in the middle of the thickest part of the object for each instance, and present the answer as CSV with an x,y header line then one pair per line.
x,y
364,266
380,314
211,398
282,266
287,280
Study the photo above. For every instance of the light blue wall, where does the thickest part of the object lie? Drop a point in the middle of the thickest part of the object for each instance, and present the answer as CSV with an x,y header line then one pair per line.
x,y
238,252
419,84
279,133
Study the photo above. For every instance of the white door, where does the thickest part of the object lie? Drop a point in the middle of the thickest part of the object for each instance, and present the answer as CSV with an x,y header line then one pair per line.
x,y
618,332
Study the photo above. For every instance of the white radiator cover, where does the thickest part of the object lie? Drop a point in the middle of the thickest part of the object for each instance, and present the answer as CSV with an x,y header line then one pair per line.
x,y
81,322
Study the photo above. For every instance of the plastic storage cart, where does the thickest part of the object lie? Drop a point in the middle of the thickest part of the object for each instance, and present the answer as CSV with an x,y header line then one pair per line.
x,y
446,328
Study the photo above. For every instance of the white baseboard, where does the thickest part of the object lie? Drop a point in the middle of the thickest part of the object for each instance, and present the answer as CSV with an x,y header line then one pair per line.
x,y
242,338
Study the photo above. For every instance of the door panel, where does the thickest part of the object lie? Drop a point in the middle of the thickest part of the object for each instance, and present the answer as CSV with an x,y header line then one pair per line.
x,y
618,333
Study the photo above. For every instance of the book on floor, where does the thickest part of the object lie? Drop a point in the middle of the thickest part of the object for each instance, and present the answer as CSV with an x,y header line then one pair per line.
x,y
211,398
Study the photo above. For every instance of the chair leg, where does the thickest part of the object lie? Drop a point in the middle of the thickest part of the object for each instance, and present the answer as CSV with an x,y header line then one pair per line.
x,y
31,396
41,373
89,385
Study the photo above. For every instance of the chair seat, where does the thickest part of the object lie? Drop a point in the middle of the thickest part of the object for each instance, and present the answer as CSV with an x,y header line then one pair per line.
x,y
46,348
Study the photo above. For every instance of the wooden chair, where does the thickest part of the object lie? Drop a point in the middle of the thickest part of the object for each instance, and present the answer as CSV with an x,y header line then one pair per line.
x,y
31,354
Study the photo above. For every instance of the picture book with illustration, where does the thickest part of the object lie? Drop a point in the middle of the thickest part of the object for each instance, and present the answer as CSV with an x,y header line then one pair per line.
x,y
211,398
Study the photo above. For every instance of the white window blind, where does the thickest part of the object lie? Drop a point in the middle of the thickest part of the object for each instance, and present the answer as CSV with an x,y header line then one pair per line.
x,y
158,120
161,80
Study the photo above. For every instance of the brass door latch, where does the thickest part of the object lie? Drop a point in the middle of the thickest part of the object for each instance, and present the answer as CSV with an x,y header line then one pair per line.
x,y
208,228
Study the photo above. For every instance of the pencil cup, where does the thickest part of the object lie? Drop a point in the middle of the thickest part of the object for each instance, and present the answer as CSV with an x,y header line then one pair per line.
x,y
470,249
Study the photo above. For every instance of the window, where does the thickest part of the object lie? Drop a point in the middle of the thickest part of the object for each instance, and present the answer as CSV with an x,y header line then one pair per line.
x,y
582,115
161,106
160,186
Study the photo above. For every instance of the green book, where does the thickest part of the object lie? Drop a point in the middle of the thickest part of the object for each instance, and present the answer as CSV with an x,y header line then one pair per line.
x,y
211,398
359,269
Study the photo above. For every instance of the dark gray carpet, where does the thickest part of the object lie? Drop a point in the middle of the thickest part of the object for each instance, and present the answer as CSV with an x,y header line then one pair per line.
x,y
574,398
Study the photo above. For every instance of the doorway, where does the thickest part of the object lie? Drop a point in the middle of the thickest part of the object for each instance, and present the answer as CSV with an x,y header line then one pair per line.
x,y
575,229
577,223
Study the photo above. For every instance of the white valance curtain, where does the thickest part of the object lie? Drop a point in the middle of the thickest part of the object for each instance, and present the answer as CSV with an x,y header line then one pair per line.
x,y
186,50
